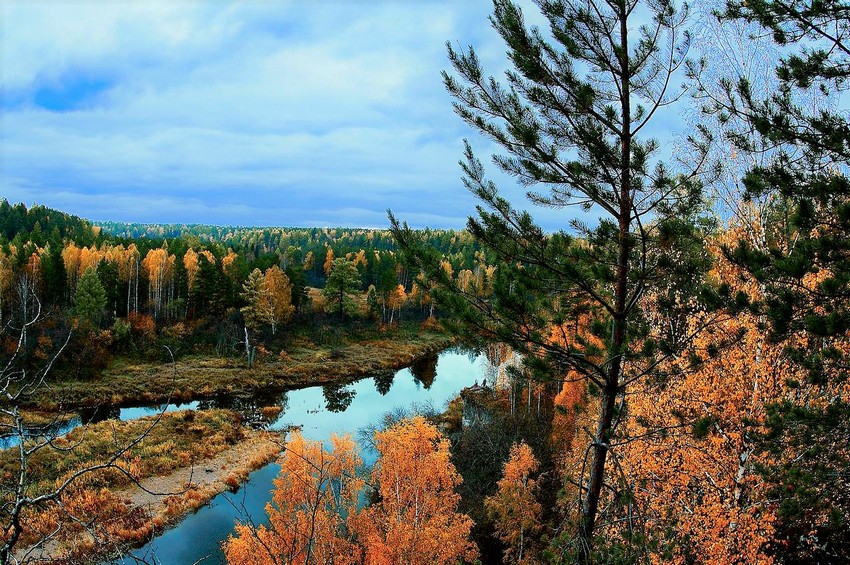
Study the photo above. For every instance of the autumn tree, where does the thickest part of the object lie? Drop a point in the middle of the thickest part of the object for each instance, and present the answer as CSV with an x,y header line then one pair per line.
x,y
343,281
415,520
572,117
90,298
315,495
277,295
129,269
805,268
329,261
514,506
398,297
691,463
314,515
190,262
71,258
158,266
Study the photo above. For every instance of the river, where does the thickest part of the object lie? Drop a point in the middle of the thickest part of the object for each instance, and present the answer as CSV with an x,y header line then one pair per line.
x,y
320,412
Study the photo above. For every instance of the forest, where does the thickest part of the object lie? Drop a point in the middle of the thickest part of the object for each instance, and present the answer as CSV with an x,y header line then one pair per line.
x,y
667,373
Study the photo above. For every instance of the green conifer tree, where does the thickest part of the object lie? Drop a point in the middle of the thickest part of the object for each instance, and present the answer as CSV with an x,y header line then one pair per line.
x,y
804,267
255,312
90,298
572,117
343,281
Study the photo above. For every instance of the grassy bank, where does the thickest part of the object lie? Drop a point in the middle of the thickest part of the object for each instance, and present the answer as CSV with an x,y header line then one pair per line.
x,y
202,376
170,460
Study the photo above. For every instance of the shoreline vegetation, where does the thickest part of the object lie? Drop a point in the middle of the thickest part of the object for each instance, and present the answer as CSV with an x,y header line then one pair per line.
x,y
196,377
176,473
173,474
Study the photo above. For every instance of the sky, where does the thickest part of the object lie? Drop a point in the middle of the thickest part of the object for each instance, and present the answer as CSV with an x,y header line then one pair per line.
x,y
283,113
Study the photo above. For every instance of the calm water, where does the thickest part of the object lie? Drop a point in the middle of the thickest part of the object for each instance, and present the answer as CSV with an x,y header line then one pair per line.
x,y
320,411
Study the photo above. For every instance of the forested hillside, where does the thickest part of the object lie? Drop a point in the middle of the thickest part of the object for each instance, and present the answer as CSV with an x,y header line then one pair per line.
x,y
167,271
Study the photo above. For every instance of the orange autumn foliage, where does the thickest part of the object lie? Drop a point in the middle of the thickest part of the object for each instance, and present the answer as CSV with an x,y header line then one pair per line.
x,y
314,516
229,264
572,405
313,493
329,259
416,520
514,506
693,458
569,403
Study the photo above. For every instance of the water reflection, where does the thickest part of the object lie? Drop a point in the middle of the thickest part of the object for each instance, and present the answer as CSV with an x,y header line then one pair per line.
x,y
338,397
314,410
384,382
52,429
424,370
257,409
99,414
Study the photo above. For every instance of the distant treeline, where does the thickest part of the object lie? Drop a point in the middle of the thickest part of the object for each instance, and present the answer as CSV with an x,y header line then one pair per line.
x,y
172,272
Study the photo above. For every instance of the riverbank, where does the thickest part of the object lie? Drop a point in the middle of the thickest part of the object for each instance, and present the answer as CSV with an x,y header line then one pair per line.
x,y
185,460
126,383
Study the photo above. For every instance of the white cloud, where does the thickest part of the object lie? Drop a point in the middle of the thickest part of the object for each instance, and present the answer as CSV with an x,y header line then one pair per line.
x,y
250,113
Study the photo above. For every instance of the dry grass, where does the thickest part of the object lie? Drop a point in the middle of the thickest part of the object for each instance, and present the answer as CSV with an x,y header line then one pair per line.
x,y
204,377
177,442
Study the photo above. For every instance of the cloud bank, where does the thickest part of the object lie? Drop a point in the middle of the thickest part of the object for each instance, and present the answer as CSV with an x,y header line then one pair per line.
x,y
257,113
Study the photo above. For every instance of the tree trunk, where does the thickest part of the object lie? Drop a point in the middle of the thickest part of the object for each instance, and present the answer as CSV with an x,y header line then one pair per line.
x,y
590,506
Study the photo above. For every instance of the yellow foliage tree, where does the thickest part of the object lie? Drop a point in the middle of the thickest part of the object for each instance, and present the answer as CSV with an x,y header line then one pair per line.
x,y
694,473
416,521
314,516
329,260
277,296
71,260
190,262
515,507
158,266
313,494
397,299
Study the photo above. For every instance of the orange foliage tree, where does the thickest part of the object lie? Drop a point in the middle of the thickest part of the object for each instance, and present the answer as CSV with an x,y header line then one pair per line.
x,y
277,296
515,507
398,297
329,260
692,456
314,493
158,265
314,516
71,260
415,521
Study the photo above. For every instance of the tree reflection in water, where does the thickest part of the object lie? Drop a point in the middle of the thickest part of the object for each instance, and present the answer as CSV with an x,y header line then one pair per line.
x,y
337,397
424,370
384,382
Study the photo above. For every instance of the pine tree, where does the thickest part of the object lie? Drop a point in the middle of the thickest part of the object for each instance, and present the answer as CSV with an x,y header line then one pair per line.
x,y
572,120
209,294
805,266
90,298
343,281
256,311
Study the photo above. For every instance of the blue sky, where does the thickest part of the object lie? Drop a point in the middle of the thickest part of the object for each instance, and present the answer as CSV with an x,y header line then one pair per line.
x,y
254,113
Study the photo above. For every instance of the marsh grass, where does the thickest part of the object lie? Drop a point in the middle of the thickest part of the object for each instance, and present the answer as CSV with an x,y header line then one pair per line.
x,y
303,364
178,440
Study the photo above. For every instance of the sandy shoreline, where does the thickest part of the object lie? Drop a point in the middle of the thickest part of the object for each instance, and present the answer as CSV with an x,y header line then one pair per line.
x,y
167,500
